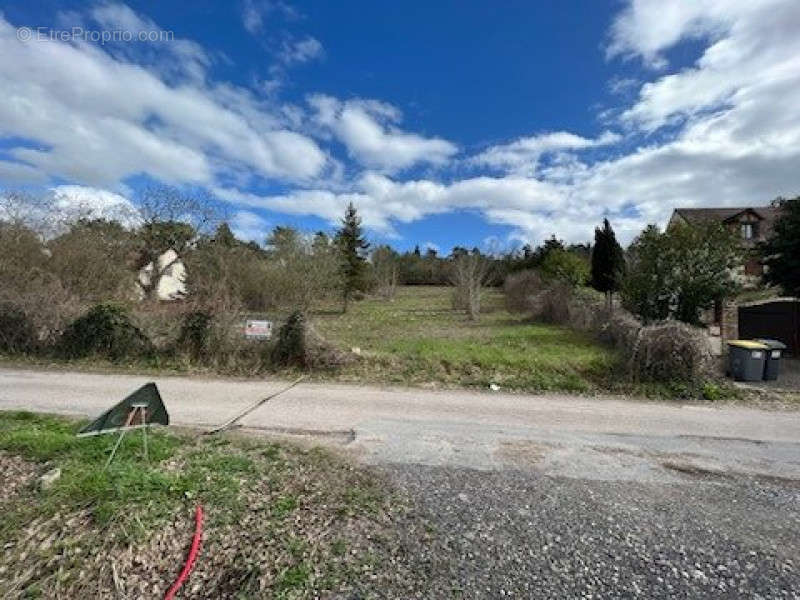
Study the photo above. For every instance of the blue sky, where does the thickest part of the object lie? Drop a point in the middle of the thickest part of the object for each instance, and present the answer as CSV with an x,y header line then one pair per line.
x,y
470,123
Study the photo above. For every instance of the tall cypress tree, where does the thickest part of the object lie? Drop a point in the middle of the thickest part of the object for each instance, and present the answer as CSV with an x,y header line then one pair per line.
x,y
608,262
352,249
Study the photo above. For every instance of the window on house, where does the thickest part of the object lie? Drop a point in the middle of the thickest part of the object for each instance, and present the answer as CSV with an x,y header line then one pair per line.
x,y
747,231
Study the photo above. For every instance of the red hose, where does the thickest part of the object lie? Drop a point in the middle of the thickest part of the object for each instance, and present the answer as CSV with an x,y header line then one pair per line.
x,y
193,551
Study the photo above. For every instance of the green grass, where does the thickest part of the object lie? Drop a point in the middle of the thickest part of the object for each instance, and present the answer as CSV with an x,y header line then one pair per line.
x,y
297,522
418,338
132,494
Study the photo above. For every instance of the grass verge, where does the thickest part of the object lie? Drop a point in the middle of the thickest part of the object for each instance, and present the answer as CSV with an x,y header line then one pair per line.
x,y
282,521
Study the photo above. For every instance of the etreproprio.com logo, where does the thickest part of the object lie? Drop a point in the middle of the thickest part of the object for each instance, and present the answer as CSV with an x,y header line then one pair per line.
x,y
101,36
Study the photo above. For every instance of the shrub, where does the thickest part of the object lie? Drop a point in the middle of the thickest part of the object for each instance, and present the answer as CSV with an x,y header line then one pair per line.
x,y
681,272
521,291
195,334
667,351
565,267
290,347
106,330
17,333
299,345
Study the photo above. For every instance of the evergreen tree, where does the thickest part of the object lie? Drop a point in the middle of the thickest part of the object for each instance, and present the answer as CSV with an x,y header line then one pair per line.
x,y
782,251
608,262
224,236
352,248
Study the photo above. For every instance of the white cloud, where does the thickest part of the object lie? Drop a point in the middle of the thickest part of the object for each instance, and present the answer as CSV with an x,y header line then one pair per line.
x,y
249,226
51,212
173,58
72,202
646,28
96,119
522,156
253,16
368,129
20,173
254,13
722,131
300,51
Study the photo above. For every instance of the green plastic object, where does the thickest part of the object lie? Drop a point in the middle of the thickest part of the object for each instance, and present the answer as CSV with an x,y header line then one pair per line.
x,y
143,407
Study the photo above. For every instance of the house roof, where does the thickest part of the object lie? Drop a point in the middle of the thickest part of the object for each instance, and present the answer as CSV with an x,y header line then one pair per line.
x,y
767,214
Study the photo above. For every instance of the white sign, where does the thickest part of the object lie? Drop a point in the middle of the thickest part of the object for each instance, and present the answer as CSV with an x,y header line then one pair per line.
x,y
257,329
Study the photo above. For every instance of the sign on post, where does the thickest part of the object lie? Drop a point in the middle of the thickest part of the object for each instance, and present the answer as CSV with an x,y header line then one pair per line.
x,y
136,411
257,330
143,407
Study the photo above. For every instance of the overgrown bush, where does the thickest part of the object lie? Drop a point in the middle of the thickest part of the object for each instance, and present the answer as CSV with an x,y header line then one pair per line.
x,y
299,345
670,351
521,290
666,351
195,334
290,347
106,331
17,333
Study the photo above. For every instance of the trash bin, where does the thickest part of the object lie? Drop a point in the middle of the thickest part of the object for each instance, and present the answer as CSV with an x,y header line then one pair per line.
x,y
772,364
746,360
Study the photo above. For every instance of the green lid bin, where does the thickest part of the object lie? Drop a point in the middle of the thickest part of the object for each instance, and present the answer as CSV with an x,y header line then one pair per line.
x,y
746,360
772,364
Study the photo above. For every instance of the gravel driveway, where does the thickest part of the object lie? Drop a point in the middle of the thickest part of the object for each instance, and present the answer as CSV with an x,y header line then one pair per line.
x,y
513,534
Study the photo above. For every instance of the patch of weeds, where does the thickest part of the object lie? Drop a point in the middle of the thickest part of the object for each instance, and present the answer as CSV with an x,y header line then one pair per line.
x,y
361,497
296,546
222,462
284,505
293,578
339,547
711,391
271,452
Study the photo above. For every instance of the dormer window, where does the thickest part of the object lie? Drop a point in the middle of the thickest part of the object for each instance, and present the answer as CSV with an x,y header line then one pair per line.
x,y
747,231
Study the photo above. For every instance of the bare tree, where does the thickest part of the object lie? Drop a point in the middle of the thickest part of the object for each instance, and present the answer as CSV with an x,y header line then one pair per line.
x,y
170,219
384,266
469,274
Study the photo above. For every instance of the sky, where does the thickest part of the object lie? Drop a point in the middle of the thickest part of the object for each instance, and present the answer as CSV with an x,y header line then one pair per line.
x,y
446,123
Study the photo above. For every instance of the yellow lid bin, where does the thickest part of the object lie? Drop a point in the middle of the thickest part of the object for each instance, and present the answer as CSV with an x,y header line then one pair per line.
x,y
746,360
748,344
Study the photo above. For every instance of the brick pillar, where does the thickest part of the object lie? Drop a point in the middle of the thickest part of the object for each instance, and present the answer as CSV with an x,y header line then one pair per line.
x,y
729,324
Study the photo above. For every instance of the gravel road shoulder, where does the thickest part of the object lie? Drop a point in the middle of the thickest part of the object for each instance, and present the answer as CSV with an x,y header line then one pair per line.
x,y
478,534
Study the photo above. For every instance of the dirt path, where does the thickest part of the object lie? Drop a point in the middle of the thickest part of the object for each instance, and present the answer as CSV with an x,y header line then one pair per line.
x,y
587,438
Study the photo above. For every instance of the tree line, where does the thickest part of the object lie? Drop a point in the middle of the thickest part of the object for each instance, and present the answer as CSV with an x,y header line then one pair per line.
x,y
676,273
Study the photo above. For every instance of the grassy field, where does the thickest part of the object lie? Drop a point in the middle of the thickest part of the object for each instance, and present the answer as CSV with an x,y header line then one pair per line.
x,y
281,521
419,339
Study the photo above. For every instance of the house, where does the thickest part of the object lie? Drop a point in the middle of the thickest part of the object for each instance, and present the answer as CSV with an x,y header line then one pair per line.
x,y
754,225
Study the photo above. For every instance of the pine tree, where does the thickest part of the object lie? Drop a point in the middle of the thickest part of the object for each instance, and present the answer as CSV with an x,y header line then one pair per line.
x,y
352,248
608,262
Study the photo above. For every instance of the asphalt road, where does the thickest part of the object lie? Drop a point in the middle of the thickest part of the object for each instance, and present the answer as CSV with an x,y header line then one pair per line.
x,y
578,437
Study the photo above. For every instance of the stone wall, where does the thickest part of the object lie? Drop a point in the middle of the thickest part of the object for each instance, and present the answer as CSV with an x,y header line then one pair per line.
x,y
729,324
